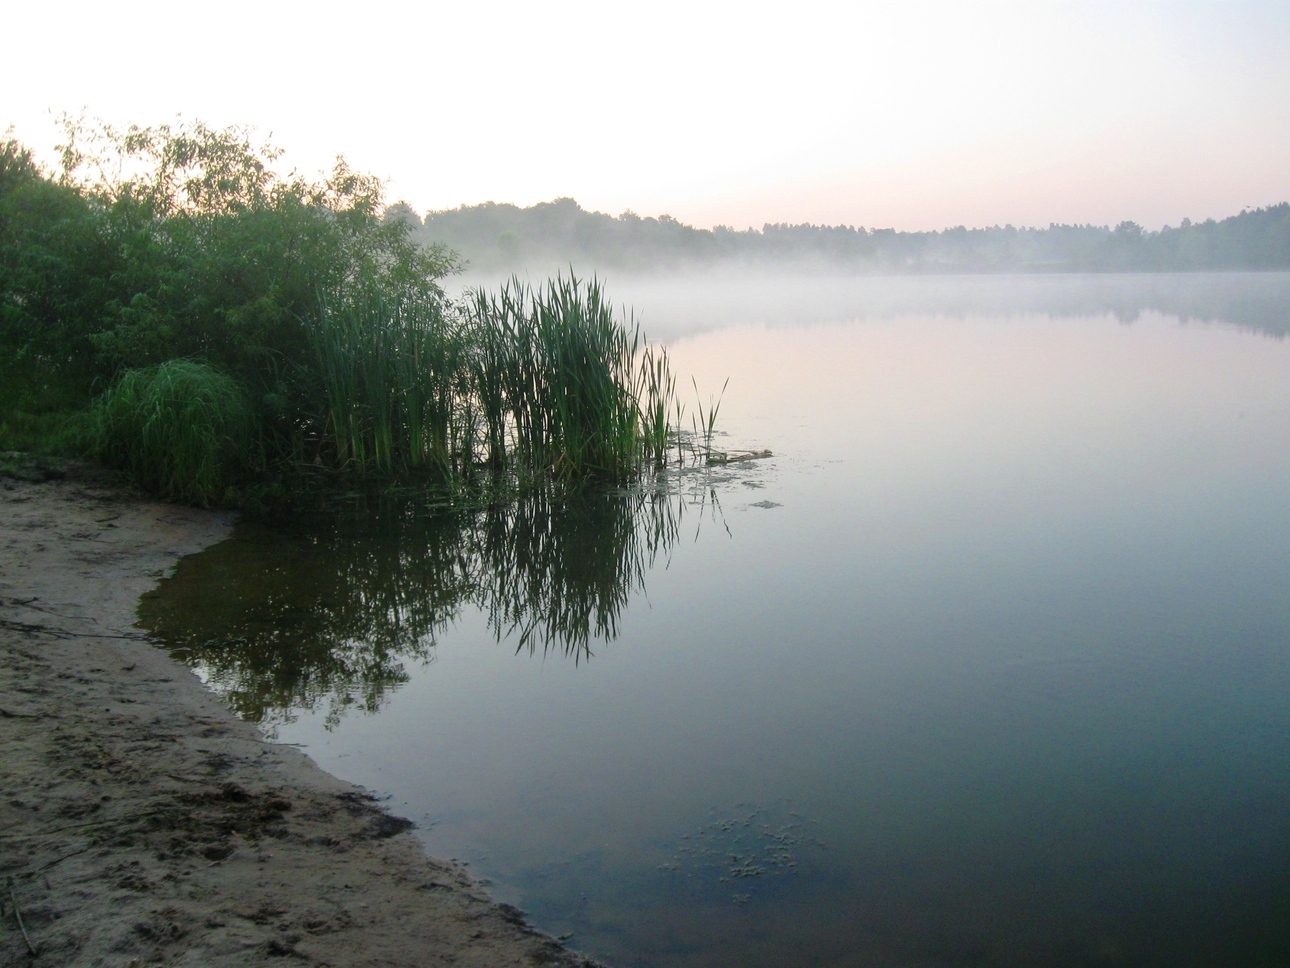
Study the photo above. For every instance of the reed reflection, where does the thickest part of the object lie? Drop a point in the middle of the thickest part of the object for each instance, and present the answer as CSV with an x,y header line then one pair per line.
x,y
328,613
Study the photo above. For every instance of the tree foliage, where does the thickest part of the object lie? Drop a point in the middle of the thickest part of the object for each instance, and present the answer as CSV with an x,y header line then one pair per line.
x,y
167,233
185,241
235,319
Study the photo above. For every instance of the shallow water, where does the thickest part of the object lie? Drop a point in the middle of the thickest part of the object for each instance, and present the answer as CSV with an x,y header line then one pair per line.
x,y
988,665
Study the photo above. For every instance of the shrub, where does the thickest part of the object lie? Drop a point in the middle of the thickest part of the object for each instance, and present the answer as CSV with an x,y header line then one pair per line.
x,y
180,429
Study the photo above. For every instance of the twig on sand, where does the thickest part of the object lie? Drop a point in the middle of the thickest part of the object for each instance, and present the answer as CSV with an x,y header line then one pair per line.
x,y
45,867
26,627
25,603
56,830
21,927
32,628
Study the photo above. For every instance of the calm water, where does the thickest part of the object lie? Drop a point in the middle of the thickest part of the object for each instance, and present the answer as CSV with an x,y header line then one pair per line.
x,y
989,665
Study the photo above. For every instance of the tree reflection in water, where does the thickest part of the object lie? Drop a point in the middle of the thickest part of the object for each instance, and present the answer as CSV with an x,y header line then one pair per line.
x,y
329,612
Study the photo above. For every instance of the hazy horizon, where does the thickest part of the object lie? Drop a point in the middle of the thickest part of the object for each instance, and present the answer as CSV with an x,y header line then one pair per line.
x,y
915,117
757,226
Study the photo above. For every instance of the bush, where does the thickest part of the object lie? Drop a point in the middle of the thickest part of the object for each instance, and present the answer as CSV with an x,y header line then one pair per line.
x,y
326,342
180,429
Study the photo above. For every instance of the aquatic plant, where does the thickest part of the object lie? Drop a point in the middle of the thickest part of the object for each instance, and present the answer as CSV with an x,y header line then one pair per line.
x,y
567,388
391,372
655,397
705,422
180,429
535,386
543,384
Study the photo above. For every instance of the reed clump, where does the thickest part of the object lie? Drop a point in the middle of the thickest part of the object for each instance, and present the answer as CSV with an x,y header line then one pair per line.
x,y
180,429
392,375
537,384
566,388
530,386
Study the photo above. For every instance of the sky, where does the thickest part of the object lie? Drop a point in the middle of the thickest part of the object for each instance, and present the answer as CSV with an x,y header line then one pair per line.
x,y
912,115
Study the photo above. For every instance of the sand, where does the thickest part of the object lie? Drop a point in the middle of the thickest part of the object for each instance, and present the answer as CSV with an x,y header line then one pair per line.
x,y
142,823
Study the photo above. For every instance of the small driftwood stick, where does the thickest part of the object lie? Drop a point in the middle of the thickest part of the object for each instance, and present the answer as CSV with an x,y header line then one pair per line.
x,y
9,714
21,927
34,628
45,867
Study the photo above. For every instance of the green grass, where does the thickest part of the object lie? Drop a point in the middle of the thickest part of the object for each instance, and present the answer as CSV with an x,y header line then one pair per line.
x,y
49,433
705,422
181,429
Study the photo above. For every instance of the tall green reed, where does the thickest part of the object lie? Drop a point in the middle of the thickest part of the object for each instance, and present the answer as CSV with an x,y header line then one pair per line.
x,y
392,377
540,384
567,388
705,421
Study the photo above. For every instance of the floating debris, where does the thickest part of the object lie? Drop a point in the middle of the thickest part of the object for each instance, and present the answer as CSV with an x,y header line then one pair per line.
x,y
748,844
737,456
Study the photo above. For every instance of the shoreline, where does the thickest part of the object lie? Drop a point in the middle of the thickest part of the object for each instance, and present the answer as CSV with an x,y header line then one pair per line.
x,y
143,822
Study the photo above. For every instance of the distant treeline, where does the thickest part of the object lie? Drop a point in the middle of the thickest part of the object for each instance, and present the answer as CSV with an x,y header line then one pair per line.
x,y
502,236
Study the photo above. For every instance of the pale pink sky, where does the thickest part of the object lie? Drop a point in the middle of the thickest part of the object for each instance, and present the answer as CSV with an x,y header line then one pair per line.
x,y
913,115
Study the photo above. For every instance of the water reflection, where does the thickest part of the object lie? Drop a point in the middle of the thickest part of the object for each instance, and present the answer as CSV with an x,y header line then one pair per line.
x,y
678,305
330,612
991,670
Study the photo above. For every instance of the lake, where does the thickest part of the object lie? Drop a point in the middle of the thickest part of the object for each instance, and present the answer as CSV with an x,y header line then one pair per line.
x,y
989,664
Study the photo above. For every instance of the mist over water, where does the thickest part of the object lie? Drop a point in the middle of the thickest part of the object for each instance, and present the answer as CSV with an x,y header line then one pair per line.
x,y
671,305
987,666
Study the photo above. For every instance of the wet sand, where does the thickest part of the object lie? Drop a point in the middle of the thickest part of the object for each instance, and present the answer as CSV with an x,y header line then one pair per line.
x,y
142,823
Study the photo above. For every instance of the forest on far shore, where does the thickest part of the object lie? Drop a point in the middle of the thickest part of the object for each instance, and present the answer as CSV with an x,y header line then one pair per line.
x,y
560,232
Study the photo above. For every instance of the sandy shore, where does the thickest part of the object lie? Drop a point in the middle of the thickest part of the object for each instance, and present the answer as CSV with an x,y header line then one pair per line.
x,y
142,823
